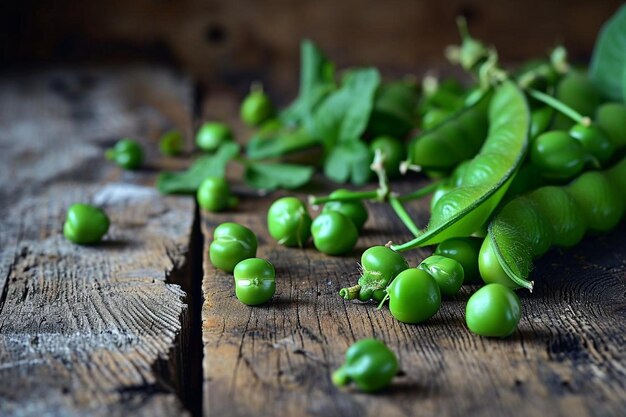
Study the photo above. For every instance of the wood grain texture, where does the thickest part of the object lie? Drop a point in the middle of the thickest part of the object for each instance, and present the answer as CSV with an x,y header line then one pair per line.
x,y
89,330
566,359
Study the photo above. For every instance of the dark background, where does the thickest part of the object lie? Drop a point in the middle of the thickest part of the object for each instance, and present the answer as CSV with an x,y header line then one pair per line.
x,y
232,43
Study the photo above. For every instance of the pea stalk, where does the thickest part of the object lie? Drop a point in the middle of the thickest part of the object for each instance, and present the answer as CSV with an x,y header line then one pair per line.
x,y
559,106
403,215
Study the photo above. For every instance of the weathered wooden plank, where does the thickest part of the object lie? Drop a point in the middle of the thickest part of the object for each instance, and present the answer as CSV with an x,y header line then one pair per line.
x,y
566,359
87,330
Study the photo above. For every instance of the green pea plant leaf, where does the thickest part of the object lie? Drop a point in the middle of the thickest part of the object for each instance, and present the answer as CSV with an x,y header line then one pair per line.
x,y
465,209
608,61
271,176
349,161
187,182
344,114
279,143
317,80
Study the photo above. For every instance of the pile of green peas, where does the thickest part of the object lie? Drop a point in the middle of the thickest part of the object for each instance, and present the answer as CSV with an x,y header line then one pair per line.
x,y
415,294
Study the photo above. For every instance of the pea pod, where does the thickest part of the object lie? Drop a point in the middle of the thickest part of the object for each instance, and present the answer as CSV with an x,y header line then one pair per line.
x,y
465,209
447,144
550,216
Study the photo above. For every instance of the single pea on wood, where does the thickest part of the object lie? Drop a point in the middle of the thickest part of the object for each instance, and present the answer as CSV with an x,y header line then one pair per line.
x,y
333,233
85,224
289,222
127,153
370,364
212,135
493,311
214,195
255,281
171,143
232,243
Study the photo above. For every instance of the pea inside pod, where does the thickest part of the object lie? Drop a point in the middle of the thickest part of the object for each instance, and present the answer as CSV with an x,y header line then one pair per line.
x,y
528,225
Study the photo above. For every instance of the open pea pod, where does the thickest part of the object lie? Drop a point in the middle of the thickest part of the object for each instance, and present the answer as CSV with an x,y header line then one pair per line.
x,y
465,209
529,225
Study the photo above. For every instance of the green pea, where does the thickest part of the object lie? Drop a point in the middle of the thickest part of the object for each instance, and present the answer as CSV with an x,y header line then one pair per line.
x,y
370,364
171,143
540,119
255,281
601,207
333,233
393,151
85,224
446,271
490,268
126,153
380,265
578,92
232,243
610,118
214,195
212,135
594,140
354,210
464,250
493,311
558,155
289,222
256,108
414,296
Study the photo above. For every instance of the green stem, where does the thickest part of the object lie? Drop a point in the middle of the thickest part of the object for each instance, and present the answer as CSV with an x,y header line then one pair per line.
x,y
383,181
461,25
352,196
559,106
383,301
340,377
404,216
420,193
350,293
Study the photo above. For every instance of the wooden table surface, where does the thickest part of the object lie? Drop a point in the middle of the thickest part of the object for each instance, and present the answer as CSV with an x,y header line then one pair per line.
x,y
142,324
